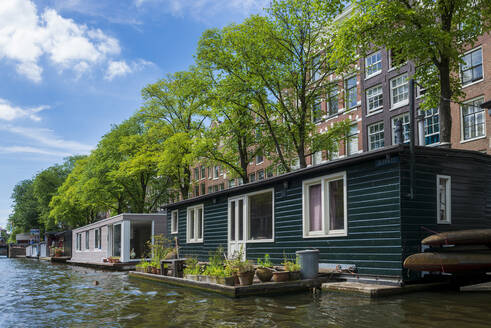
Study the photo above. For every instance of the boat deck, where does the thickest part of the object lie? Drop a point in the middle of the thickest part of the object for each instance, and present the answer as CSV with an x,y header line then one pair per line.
x,y
105,266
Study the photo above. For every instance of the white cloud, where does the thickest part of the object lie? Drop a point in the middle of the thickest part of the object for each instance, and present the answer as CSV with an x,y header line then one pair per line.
x,y
121,68
8,112
32,150
26,36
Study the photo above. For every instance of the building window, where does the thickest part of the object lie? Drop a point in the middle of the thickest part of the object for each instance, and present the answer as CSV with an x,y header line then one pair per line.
x,y
373,64
316,69
352,143
174,222
260,216
471,70
79,241
375,99
332,100
351,94
203,172
203,189
324,206
196,173
216,172
196,191
97,238
393,61
222,186
210,173
215,188
334,152
87,246
317,111
443,199
210,189
431,125
259,158
376,136
473,119
317,157
195,224
260,175
399,91
252,177
231,183
405,127
240,181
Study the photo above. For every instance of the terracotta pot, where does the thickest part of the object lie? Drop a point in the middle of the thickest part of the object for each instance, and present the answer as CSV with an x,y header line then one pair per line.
x,y
295,275
148,270
227,281
154,270
104,260
246,278
264,274
281,276
236,278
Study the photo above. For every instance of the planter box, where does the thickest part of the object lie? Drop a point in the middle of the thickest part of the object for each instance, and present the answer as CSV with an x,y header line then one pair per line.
x,y
227,281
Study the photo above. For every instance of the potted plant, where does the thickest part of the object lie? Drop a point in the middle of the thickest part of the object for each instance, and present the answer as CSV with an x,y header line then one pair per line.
x,y
280,275
226,277
245,273
264,270
192,269
293,268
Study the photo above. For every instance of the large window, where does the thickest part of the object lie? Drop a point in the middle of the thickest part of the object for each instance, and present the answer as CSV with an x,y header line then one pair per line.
x,y
404,118
431,125
332,100
203,172
260,216
97,238
79,242
352,143
473,119
316,69
443,199
373,64
216,172
87,245
375,99
399,91
324,206
471,70
195,224
351,94
317,111
196,173
376,136
174,223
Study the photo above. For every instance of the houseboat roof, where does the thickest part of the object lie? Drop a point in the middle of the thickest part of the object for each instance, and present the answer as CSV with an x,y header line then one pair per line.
x,y
341,162
119,217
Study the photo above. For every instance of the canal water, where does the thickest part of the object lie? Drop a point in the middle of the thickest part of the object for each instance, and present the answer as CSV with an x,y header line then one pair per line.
x,y
38,294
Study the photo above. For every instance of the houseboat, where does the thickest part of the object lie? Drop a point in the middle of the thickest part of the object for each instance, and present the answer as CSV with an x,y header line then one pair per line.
x,y
365,213
122,237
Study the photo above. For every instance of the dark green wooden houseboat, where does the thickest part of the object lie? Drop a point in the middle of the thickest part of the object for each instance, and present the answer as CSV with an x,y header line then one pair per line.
x,y
367,212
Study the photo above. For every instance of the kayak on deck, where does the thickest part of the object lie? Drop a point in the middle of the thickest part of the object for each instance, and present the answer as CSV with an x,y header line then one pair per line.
x,y
448,262
462,237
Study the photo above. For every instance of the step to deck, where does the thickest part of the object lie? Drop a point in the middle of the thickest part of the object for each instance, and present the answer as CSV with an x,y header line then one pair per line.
x,y
374,290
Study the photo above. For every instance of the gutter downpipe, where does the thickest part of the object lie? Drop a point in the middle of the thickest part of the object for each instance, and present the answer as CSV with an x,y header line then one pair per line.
x,y
412,133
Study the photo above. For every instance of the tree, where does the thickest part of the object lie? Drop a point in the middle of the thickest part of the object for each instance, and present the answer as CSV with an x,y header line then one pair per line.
x,y
432,34
175,111
25,214
281,62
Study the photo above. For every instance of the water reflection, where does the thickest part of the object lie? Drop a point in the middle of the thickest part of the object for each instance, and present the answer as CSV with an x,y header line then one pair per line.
x,y
40,294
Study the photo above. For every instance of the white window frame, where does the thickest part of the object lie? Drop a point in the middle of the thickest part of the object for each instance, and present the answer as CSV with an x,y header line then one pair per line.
x,y
368,97
402,102
404,125
482,67
195,240
347,90
448,203
370,134
325,231
174,226
354,135
97,241
78,241
462,128
379,53
87,240
248,217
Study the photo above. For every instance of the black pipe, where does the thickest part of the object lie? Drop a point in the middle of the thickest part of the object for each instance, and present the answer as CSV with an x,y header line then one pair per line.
x,y
412,133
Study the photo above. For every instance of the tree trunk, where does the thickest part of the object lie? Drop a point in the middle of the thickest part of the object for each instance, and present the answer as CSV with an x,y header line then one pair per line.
x,y
445,96
184,185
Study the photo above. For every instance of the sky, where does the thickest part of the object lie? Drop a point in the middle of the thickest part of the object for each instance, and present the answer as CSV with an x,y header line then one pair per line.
x,y
69,69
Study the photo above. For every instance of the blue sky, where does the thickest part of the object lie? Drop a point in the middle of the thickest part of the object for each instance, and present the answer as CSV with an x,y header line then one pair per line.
x,y
71,68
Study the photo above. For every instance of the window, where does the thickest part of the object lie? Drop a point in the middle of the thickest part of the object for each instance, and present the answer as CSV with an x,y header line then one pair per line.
x,y
231,183
471,70
87,246
216,172
375,99
352,143
333,153
260,175
394,61
332,100
431,125
210,173
316,69
97,238
215,188
79,241
174,221
473,119
443,199
210,189
240,181
252,177
324,206
222,186
317,111
404,118
203,189
351,94
195,224
376,136
196,191
260,216
399,91
203,172
196,173
373,64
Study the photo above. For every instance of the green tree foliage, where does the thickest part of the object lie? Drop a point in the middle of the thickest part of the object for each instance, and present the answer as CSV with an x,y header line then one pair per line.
x,y
280,61
431,33
175,111
25,213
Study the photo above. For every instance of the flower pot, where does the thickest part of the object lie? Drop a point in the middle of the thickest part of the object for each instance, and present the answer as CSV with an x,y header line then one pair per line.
x,y
148,270
154,270
227,281
281,276
245,278
104,260
203,278
264,274
236,278
295,275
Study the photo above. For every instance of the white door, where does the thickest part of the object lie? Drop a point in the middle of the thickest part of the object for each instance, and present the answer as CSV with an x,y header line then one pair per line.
x,y
236,227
